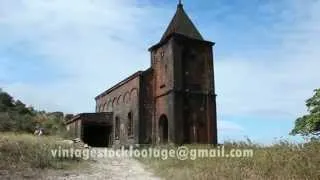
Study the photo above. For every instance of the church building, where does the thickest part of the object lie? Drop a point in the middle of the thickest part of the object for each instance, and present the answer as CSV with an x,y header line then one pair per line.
x,y
173,101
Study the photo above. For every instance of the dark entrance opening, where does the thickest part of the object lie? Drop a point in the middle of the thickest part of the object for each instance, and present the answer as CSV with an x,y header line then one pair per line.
x,y
96,135
163,129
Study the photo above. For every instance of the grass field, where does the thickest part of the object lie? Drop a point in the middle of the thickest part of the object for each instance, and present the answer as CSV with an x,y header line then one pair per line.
x,y
279,161
21,151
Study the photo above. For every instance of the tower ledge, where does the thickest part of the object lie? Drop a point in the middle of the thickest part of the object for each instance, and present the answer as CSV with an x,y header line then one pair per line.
x,y
179,36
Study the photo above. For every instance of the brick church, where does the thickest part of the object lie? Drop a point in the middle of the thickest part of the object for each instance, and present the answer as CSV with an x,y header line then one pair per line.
x,y
173,101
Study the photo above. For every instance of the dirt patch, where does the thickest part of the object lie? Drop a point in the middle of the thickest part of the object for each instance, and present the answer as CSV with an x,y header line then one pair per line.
x,y
113,168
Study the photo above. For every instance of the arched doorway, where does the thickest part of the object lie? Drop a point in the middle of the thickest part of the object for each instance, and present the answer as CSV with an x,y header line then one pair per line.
x,y
163,129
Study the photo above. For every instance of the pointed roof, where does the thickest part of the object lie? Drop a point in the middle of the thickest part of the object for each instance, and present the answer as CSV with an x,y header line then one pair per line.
x,y
181,24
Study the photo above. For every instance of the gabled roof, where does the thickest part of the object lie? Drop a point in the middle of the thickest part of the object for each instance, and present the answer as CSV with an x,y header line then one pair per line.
x,y
181,24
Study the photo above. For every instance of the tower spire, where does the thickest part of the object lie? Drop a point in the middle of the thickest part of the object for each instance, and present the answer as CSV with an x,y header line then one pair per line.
x,y
181,24
180,3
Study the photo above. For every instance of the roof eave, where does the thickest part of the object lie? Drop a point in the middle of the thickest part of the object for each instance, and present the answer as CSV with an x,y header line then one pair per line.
x,y
138,73
178,35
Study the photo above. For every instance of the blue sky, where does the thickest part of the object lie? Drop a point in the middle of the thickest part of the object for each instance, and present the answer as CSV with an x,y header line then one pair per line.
x,y
58,55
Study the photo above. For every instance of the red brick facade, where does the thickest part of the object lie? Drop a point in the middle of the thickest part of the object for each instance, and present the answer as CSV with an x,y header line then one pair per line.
x,y
174,100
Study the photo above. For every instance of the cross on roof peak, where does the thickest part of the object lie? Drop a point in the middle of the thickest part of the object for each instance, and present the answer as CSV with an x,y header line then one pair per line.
x,y
180,3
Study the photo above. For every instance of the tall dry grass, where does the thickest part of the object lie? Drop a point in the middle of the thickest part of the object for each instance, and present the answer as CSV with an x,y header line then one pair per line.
x,y
283,160
20,151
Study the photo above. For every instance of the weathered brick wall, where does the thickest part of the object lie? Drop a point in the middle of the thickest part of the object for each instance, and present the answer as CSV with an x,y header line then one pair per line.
x,y
165,105
194,81
147,106
121,101
163,66
184,90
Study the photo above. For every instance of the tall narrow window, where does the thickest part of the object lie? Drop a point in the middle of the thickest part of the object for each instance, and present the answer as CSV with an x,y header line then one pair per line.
x,y
130,124
104,109
117,128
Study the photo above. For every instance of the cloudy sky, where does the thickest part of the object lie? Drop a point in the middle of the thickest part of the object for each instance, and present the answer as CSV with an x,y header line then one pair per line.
x,y
57,55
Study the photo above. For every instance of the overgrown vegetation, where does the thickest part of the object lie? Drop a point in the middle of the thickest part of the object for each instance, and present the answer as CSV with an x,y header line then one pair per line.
x,y
309,124
20,151
279,161
15,116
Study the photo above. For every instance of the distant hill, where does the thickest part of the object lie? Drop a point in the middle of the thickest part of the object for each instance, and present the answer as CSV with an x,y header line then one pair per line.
x,y
17,117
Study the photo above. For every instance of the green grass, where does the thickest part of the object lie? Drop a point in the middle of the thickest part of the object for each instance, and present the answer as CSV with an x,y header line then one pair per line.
x,y
280,161
21,151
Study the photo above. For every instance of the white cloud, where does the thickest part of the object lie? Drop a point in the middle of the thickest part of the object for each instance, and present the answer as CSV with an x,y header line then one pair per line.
x,y
274,83
96,43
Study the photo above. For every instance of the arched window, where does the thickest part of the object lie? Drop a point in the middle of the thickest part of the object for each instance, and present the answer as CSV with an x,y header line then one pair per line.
x,y
104,107
114,102
163,129
126,97
130,124
109,106
119,99
117,128
133,95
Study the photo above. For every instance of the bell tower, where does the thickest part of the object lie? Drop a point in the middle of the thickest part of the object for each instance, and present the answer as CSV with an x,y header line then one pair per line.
x,y
184,89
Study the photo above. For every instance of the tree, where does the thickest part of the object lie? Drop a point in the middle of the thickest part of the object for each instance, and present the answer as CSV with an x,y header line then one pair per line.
x,y
6,124
309,124
6,101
